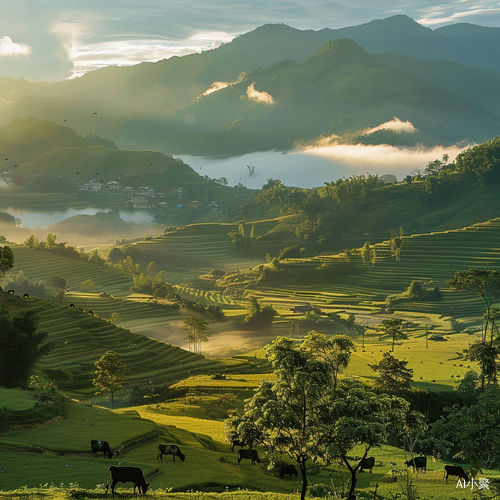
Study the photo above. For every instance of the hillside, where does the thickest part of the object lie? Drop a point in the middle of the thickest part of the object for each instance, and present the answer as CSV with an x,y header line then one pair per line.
x,y
132,105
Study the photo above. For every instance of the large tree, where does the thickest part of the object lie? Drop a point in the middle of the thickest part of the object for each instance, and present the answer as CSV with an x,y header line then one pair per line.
x,y
302,415
21,346
110,373
473,432
484,284
395,377
393,328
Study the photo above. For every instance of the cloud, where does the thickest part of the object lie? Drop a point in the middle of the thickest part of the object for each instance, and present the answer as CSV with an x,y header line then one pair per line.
x,y
395,125
9,48
380,157
222,85
256,96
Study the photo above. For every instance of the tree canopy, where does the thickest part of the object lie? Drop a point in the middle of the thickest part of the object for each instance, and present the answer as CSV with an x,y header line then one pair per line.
x,y
6,259
21,346
302,415
110,373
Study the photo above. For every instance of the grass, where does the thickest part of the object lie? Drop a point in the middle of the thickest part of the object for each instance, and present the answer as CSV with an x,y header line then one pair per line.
x,y
16,401
59,462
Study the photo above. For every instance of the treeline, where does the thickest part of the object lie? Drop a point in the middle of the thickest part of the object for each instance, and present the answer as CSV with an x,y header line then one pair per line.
x,y
50,245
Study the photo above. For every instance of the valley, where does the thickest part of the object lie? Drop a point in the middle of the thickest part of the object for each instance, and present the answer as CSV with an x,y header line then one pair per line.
x,y
323,318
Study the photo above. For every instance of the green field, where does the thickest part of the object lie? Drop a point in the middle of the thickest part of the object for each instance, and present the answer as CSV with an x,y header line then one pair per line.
x,y
58,454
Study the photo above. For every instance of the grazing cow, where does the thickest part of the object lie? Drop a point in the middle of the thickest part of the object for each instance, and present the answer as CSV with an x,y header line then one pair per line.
x,y
170,449
367,463
288,469
248,454
72,305
417,463
455,470
91,312
26,296
11,292
126,475
100,446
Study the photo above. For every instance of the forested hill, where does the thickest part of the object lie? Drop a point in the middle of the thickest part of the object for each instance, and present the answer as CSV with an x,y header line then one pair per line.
x,y
156,106
40,154
348,212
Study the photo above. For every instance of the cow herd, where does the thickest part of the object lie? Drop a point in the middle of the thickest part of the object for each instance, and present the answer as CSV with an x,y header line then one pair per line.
x,y
135,475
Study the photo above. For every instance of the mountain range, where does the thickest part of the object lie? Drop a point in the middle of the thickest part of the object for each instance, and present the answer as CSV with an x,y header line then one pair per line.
x,y
277,86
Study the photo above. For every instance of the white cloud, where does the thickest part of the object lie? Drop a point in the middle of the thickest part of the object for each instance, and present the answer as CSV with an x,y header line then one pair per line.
x,y
395,125
9,48
380,157
260,97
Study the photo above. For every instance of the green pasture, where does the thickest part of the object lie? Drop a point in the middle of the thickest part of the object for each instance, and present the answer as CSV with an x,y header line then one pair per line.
x,y
58,454
16,399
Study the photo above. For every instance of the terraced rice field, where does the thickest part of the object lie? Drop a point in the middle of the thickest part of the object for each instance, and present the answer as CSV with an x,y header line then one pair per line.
x,y
41,265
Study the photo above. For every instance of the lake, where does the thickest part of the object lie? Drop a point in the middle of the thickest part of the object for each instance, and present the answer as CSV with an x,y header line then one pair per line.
x,y
312,167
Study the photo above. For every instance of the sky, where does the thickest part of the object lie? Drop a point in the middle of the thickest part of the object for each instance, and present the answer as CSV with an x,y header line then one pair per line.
x,y
58,39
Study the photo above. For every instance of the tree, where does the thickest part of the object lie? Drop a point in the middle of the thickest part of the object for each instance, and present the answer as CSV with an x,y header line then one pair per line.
x,y
484,284
196,330
110,374
57,376
260,317
59,283
87,284
395,377
336,351
21,346
95,258
6,259
473,432
366,254
301,415
31,242
116,318
393,328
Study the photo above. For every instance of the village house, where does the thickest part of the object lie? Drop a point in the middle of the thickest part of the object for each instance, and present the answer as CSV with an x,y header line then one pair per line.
x,y
138,202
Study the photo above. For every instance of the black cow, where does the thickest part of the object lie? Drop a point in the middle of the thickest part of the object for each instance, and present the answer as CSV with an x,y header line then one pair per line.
x,y
127,475
170,449
26,296
248,454
417,463
100,446
455,470
288,469
367,463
